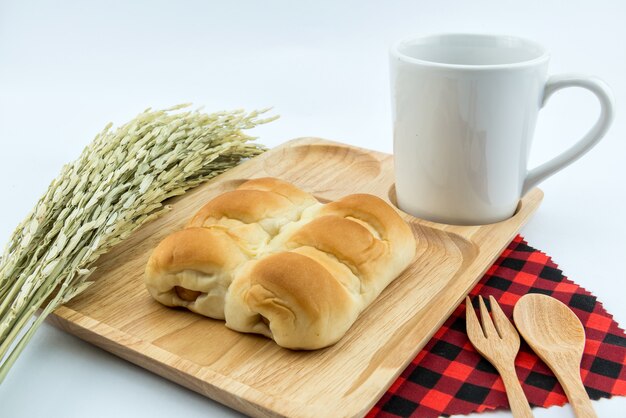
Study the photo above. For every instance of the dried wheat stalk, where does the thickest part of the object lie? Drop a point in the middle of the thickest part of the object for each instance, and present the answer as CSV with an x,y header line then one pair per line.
x,y
118,183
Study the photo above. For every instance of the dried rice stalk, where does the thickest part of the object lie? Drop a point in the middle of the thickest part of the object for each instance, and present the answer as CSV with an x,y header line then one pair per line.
x,y
118,183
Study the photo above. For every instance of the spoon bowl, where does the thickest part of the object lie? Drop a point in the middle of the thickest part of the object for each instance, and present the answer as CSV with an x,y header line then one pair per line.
x,y
549,324
555,333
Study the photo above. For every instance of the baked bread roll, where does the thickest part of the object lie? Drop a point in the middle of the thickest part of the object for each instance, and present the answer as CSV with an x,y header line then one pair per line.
x,y
338,260
193,268
270,259
187,269
255,212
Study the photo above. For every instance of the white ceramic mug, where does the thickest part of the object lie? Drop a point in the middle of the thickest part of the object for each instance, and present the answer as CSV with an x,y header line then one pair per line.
x,y
464,109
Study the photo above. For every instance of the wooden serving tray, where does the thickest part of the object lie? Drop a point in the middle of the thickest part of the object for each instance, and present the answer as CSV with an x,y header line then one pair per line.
x,y
251,373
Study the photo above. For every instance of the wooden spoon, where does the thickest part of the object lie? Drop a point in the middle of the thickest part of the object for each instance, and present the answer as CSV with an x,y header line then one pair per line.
x,y
555,333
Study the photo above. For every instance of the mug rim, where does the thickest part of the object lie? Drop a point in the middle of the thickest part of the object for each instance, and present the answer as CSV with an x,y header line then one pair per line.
x,y
396,52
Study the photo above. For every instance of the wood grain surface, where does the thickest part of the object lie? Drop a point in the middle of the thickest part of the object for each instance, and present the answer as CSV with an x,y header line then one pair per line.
x,y
251,373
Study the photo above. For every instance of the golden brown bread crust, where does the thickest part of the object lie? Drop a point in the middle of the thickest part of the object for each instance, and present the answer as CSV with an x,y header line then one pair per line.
x,y
193,268
351,242
348,241
255,212
254,201
280,187
274,261
372,210
194,248
296,296
247,206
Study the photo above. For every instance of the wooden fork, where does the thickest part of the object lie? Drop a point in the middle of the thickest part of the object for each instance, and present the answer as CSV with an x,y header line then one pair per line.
x,y
499,344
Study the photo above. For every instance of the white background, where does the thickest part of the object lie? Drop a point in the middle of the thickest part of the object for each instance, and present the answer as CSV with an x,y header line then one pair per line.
x,y
68,68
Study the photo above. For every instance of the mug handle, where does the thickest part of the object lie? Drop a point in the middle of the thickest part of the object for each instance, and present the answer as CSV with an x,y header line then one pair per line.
x,y
603,93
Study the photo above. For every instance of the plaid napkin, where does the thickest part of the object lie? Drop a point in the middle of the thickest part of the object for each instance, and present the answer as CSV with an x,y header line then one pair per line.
x,y
449,377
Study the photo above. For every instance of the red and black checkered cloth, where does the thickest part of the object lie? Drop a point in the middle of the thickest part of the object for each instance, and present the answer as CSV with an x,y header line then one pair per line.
x,y
449,377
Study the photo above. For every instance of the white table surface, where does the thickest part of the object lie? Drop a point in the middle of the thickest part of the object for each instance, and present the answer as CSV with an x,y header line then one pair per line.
x,y
68,68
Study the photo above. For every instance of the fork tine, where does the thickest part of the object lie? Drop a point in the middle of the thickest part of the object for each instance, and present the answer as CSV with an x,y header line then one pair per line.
x,y
490,330
503,325
474,331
